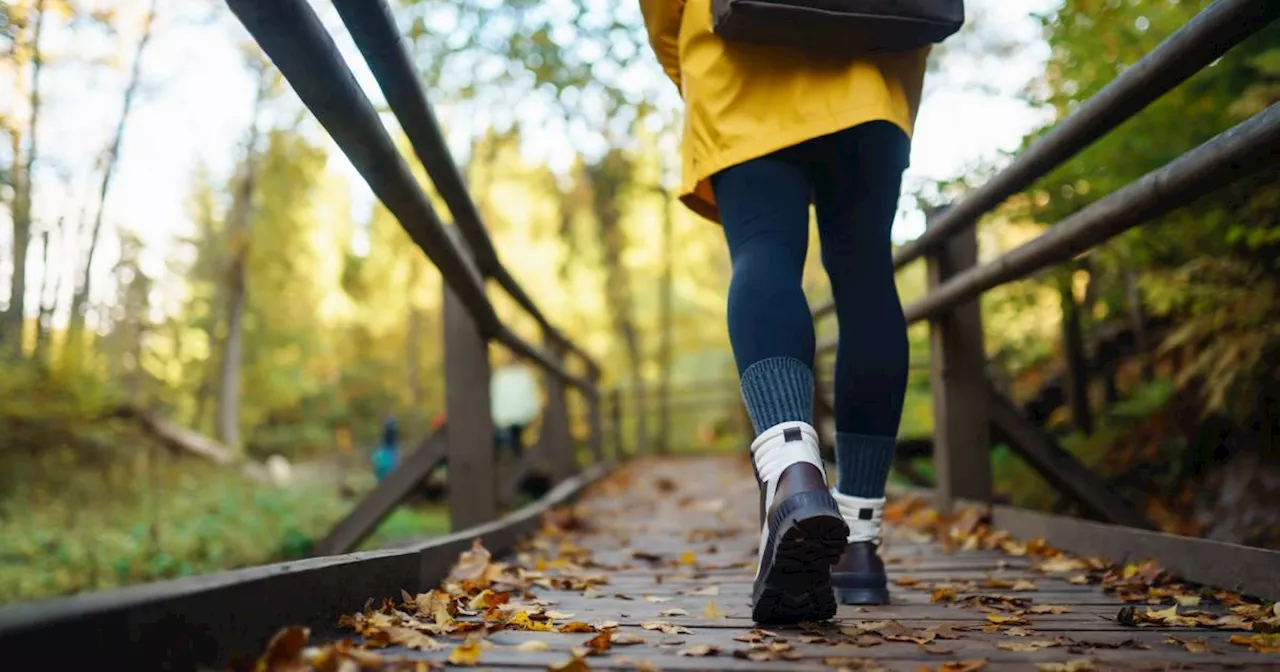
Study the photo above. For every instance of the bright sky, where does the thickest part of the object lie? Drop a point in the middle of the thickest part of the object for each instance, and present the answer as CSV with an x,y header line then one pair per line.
x,y
197,101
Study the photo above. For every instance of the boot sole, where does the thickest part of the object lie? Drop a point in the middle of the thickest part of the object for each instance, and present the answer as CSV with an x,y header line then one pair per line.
x,y
806,536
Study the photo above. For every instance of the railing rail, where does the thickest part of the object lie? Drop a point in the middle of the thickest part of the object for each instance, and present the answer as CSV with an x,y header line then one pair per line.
x,y
296,41
966,407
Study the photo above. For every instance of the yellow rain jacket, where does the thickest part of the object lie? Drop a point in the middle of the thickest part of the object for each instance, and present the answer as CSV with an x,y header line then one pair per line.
x,y
745,101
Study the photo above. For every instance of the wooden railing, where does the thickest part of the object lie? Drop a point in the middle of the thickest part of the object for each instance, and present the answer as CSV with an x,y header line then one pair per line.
x,y
967,409
293,37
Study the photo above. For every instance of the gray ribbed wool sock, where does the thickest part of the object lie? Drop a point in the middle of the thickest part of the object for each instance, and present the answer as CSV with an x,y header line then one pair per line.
x,y
862,464
778,389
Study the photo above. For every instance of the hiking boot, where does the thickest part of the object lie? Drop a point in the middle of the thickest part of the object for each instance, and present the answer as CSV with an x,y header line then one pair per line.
x,y
859,576
802,532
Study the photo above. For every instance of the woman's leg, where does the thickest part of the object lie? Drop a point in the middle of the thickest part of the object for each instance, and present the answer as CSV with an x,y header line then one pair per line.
x,y
856,194
764,206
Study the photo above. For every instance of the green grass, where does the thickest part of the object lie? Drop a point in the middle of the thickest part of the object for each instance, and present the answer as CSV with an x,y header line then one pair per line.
x,y
409,522
96,528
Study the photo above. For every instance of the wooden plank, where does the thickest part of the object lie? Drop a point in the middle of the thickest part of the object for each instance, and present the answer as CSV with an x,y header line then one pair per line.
x,y
595,421
1253,571
473,496
1059,467
962,460
377,505
556,440
204,622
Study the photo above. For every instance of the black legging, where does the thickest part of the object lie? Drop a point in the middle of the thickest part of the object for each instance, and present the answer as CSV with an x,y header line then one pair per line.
x,y
853,178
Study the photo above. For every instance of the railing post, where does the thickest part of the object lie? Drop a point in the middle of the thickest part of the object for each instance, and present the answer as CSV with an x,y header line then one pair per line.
x,y
594,419
557,440
615,417
962,459
473,493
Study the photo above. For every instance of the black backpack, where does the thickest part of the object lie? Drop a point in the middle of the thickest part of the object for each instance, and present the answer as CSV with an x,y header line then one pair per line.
x,y
838,27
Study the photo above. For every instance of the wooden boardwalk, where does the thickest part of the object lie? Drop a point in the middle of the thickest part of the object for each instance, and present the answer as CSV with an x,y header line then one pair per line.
x,y
661,556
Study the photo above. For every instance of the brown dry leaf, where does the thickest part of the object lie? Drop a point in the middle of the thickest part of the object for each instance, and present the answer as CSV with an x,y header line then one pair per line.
x,y
1078,665
1062,565
907,581
704,592
936,650
1258,643
284,651
711,611
626,639
1049,609
1001,619
963,666
1032,645
413,639
699,651
853,664
1191,645
1079,580
943,595
591,593
666,628
669,613
467,654
1017,632
942,632
577,626
864,641
574,664
472,564
534,646
1022,586
600,644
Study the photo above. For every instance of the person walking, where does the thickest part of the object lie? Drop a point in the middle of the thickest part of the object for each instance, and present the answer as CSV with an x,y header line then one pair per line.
x,y
514,403
386,457
768,131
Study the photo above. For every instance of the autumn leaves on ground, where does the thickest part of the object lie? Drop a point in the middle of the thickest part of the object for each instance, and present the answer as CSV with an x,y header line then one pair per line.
x,y
598,587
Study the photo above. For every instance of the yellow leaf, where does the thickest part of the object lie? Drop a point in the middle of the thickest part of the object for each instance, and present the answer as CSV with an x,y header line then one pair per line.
x,y
688,558
943,595
711,611
466,655
521,621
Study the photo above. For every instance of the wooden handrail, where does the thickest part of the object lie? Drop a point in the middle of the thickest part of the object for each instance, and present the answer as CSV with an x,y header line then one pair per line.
x,y
1212,33
299,45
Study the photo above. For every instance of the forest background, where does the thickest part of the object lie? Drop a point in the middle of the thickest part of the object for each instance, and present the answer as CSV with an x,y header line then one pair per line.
x,y
187,261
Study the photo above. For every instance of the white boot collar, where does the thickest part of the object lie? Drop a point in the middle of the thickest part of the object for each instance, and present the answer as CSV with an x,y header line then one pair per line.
x,y
862,515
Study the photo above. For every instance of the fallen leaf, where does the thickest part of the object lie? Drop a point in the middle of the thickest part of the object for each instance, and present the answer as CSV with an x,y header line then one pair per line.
x,y
574,664
1001,619
699,651
936,650
534,646
1022,585
413,639
1188,600
669,613
592,594
703,592
626,639
577,626
1258,643
606,625
943,595
711,611
1032,645
688,558
657,600
1017,632
1191,645
1079,665
1049,609
907,581
666,628
472,564
284,651
1061,565
963,666
601,643
557,615
520,621
467,654
1079,580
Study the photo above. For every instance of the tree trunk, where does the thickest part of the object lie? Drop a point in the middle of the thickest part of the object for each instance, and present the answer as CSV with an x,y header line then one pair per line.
x,y
1076,363
44,307
227,418
665,321
80,299
1133,296
23,181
